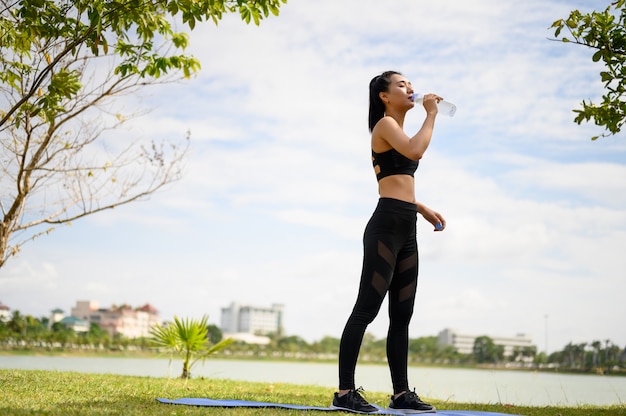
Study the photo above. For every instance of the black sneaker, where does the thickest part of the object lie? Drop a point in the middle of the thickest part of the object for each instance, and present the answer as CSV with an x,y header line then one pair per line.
x,y
352,401
410,403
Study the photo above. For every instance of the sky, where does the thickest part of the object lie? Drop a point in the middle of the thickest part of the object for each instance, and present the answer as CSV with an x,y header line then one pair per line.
x,y
278,183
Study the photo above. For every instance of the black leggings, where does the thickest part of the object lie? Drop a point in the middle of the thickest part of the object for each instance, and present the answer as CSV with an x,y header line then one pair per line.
x,y
390,264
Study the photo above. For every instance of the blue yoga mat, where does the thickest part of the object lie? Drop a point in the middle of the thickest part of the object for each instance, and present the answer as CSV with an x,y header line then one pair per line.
x,y
190,401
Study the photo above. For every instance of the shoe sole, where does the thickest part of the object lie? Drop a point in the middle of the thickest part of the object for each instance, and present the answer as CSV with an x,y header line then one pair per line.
x,y
347,409
413,411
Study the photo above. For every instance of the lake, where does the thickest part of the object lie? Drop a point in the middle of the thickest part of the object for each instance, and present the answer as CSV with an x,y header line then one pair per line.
x,y
456,385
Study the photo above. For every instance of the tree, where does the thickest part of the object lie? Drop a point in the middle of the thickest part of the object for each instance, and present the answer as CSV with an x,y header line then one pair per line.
x,y
529,352
327,345
605,32
423,345
517,353
97,336
17,323
486,351
62,64
214,333
291,344
188,338
371,348
597,348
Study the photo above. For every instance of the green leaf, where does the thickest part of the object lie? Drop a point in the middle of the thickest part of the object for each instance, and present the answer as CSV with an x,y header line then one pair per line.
x,y
606,76
557,32
597,56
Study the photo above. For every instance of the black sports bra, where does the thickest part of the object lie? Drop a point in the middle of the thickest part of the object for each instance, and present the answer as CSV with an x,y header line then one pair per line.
x,y
392,162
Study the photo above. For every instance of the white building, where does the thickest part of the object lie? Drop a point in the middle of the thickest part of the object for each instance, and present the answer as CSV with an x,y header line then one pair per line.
x,y
80,326
56,315
464,343
238,320
5,313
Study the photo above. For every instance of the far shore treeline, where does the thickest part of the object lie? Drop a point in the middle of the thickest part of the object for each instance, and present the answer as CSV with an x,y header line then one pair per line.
x,y
26,334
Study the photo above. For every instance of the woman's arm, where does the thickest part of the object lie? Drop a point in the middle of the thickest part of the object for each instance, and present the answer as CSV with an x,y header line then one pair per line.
x,y
431,216
411,147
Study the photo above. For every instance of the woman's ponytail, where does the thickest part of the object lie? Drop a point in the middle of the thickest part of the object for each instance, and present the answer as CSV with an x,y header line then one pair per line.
x,y
378,84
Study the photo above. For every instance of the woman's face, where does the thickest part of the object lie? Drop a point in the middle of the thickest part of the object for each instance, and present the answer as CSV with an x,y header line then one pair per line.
x,y
399,92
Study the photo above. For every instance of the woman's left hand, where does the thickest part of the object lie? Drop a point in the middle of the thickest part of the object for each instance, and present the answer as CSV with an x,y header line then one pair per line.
x,y
435,218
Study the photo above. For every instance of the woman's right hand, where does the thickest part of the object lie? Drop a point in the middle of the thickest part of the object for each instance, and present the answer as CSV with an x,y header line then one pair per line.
x,y
430,103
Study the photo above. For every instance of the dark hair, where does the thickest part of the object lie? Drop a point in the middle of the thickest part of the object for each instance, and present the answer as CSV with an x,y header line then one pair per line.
x,y
378,84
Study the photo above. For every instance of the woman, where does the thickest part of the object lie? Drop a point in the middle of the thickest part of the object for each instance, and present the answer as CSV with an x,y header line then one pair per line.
x,y
390,259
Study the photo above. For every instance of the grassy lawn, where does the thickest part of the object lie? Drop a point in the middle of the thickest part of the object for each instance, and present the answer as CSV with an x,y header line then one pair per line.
x,y
26,392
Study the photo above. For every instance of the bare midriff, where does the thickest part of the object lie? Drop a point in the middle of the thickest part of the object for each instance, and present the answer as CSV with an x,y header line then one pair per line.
x,y
400,187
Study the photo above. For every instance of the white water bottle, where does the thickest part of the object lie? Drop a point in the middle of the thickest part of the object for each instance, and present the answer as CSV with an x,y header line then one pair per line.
x,y
445,107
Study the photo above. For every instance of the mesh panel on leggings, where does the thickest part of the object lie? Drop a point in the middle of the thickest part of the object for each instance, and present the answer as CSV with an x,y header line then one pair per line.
x,y
379,283
407,263
385,253
407,292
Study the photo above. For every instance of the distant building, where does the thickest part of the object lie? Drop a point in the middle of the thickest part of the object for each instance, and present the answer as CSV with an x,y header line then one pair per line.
x,y
56,315
119,320
251,323
464,343
80,326
5,313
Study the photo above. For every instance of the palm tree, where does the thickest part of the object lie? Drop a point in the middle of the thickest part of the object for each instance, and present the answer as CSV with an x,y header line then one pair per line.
x,y
17,324
569,354
189,339
597,347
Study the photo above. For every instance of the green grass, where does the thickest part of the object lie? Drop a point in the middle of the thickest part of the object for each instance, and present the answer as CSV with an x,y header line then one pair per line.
x,y
28,392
